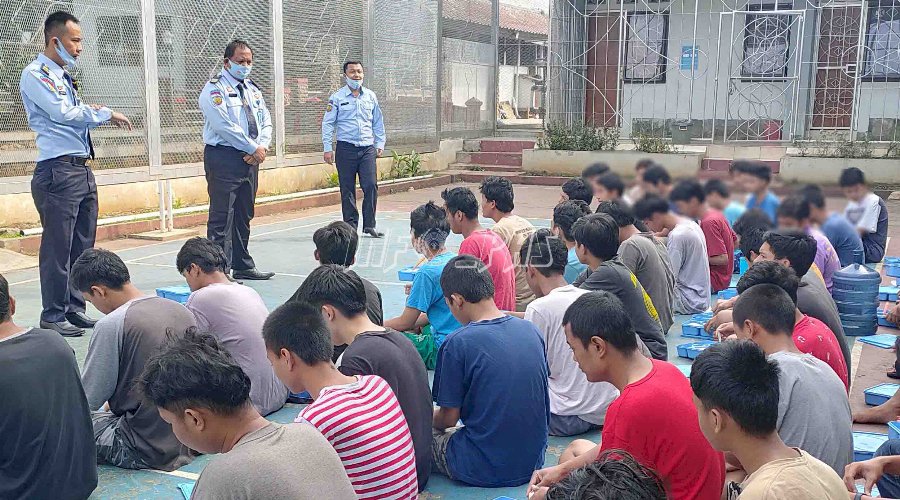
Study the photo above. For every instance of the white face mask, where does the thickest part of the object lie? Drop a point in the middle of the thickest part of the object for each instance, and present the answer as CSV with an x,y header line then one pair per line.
x,y
354,84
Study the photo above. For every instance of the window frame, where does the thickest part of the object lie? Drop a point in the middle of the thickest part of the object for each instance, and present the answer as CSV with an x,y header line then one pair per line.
x,y
871,9
664,54
785,70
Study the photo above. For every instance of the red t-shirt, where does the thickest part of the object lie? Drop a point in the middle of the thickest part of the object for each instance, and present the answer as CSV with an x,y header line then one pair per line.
x,y
490,248
720,239
812,336
654,419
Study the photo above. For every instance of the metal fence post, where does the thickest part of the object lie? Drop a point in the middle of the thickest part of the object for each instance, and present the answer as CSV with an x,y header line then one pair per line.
x,y
439,68
495,40
151,85
278,53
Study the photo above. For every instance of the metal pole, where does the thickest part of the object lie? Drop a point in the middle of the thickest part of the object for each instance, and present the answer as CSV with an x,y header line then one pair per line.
x,y
170,209
693,62
151,86
860,48
716,80
623,25
439,88
495,40
796,105
278,56
161,188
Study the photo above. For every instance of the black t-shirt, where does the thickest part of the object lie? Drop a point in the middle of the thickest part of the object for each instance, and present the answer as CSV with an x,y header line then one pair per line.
x,y
46,437
393,357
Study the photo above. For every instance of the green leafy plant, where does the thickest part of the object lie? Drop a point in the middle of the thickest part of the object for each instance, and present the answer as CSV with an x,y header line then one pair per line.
x,y
332,180
178,203
837,145
650,142
405,165
578,137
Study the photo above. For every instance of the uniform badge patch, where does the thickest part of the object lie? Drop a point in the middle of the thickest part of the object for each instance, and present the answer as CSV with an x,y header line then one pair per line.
x,y
61,89
216,97
330,107
45,69
49,83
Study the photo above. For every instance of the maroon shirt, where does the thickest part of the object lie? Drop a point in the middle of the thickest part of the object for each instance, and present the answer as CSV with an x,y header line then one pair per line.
x,y
720,239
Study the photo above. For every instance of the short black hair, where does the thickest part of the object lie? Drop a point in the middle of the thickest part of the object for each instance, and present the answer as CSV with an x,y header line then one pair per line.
x,y
612,182
429,223
545,252
717,186
753,219
737,378
566,213
599,234
594,170
614,475
601,314
5,313
348,63
650,204
576,189
751,167
767,305
657,174
300,328
772,273
97,266
235,44
461,199
336,243
618,211
467,276
795,206
500,191
193,370
208,256
336,286
55,21
644,163
814,195
795,246
687,189
851,177
750,241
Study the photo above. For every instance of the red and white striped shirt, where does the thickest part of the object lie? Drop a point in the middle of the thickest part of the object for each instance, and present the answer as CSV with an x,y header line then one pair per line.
x,y
365,425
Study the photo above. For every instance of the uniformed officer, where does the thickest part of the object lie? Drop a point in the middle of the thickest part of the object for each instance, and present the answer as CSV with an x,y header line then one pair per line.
x,y
63,186
353,112
237,134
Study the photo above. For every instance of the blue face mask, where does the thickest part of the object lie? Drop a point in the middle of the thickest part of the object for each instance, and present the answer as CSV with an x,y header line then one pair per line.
x,y
238,71
354,84
64,54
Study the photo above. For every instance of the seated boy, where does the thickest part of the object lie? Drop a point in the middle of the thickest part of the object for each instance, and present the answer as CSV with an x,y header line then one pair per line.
x,y
813,409
232,313
615,475
492,375
127,429
609,187
204,394
46,443
690,199
755,178
736,392
647,257
462,214
653,419
597,242
867,211
497,204
685,241
359,415
656,180
793,213
592,172
842,235
718,197
564,215
428,229
576,189
576,406
374,350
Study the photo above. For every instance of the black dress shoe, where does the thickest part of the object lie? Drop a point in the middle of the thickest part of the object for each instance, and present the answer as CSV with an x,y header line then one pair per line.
x,y
251,274
80,319
373,233
63,328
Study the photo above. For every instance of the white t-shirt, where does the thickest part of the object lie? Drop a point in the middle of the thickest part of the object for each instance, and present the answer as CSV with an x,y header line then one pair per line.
x,y
687,248
570,392
864,214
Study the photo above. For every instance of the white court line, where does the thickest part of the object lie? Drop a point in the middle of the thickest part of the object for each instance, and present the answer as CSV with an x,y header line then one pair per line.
x,y
177,473
277,273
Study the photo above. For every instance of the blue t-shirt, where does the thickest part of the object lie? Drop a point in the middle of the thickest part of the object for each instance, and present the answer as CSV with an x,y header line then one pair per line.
x,y
495,372
769,205
733,212
843,237
574,267
427,296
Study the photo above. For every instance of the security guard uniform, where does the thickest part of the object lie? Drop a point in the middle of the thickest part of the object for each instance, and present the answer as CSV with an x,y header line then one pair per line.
x,y
237,122
63,185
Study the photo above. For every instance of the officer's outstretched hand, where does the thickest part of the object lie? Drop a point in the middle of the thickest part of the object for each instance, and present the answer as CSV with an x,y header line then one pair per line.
x,y
121,121
329,157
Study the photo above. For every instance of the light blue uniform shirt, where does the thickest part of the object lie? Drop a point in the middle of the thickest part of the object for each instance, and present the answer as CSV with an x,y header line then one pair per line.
x,y
59,119
225,119
574,267
358,120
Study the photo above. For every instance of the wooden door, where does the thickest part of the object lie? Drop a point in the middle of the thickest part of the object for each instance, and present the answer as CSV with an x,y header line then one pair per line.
x,y
602,60
836,67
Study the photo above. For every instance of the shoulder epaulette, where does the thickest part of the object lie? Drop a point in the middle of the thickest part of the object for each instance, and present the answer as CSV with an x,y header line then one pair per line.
x,y
215,79
45,69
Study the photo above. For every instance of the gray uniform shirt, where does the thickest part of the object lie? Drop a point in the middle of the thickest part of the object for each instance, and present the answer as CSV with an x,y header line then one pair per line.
x,y
813,299
648,259
687,252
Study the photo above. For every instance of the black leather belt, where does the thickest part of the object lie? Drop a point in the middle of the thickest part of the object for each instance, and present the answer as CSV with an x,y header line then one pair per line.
x,y
74,160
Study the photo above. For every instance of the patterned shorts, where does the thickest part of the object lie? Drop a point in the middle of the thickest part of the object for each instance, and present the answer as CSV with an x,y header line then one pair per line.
x,y
111,448
439,442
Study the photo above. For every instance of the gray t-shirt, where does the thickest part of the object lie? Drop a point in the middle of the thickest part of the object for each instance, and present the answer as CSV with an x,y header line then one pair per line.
x,y
687,252
648,259
235,314
277,462
813,299
813,409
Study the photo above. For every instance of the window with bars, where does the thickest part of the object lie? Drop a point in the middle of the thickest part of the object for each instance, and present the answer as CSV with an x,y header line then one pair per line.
x,y
766,42
645,47
882,54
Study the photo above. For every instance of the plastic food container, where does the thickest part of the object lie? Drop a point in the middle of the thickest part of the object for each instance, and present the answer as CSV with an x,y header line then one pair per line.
x,y
882,340
865,444
888,293
892,266
693,349
879,394
408,273
882,321
178,293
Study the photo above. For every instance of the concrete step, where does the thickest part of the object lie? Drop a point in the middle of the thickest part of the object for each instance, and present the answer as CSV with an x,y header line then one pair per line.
x,y
493,158
484,168
514,177
723,164
518,133
506,145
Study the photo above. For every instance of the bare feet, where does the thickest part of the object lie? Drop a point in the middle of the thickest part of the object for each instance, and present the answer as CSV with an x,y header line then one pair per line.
x,y
880,414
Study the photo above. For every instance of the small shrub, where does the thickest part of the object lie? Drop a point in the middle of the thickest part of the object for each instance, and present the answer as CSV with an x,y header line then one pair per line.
x,y
578,137
404,165
652,143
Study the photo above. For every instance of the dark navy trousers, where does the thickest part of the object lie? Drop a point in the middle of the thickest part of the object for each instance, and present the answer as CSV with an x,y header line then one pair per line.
x,y
65,195
352,161
231,183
